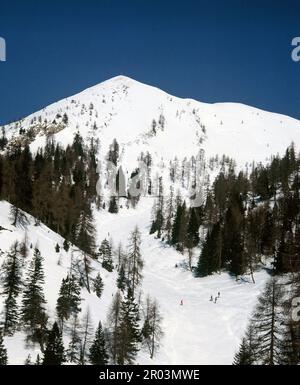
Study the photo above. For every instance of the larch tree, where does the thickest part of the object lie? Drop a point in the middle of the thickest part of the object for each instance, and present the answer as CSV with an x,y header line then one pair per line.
x,y
113,322
247,353
86,337
135,261
152,330
74,347
169,213
266,331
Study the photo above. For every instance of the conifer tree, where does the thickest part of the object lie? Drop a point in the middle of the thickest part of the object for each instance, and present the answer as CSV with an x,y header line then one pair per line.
x,y
85,232
289,343
266,325
279,251
11,284
65,119
128,333
232,239
176,225
23,186
113,206
38,360
121,280
113,154
180,227
66,245
17,217
193,228
3,140
158,221
243,356
54,352
290,327
98,352
68,302
247,354
78,144
28,360
210,257
3,351
33,301
98,285
106,253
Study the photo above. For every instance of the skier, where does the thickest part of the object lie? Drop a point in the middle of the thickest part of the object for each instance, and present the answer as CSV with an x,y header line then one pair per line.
x,y
216,299
211,298
181,302
219,294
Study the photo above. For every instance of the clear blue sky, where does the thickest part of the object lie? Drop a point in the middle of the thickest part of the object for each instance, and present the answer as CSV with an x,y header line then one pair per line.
x,y
213,51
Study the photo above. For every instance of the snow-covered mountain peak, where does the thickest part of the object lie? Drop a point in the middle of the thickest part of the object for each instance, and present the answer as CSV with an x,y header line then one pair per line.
x,y
145,118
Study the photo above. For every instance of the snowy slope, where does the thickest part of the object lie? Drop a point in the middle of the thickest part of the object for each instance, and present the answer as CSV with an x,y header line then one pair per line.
x,y
199,332
124,109
56,267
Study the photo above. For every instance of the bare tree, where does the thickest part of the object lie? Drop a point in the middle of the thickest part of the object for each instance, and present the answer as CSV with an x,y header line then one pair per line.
x,y
135,260
152,331
87,336
113,321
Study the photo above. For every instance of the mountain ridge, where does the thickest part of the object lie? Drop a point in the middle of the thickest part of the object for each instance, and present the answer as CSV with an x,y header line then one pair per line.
x,y
144,118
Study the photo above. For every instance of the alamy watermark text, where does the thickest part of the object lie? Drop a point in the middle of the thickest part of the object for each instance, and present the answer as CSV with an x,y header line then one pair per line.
x,y
2,49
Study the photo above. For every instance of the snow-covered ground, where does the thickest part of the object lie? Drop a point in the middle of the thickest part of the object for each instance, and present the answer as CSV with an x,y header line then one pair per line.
x,y
199,332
